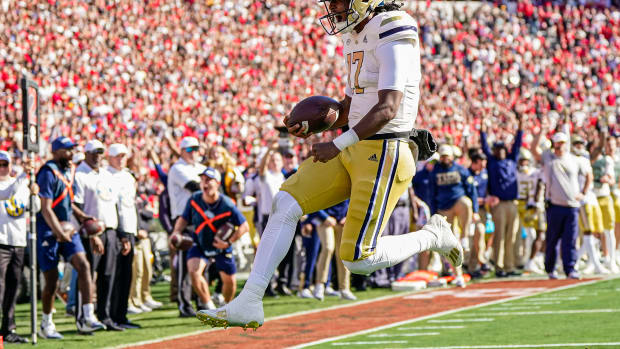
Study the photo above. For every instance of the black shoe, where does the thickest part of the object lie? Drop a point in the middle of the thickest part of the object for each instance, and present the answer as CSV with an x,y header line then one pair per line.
x,y
501,274
269,292
283,290
112,326
13,337
129,325
188,312
485,267
477,274
513,273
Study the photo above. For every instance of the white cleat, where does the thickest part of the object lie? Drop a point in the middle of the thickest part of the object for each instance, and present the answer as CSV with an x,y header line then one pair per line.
x,y
446,243
348,295
237,313
305,293
459,281
319,291
533,268
48,330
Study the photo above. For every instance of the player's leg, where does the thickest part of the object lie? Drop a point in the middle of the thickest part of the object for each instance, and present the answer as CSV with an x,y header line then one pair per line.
x,y
315,186
196,264
227,268
610,238
376,187
73,252
47,257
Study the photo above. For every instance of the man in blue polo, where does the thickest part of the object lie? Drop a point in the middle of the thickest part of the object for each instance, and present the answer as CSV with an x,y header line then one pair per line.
x,y
207,210
55,180
502,168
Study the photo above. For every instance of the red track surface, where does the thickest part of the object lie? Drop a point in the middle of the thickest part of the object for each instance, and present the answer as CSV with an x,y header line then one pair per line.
x,y
307,328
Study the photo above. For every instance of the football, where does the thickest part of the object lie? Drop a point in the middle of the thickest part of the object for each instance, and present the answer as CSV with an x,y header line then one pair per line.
x,y
93,227
315,114
181,242
225,232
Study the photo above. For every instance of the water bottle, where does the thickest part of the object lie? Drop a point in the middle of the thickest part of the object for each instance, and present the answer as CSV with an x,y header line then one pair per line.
x,y
489,225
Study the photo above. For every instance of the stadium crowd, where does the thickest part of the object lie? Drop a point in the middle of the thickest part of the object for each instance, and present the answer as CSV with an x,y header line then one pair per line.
x,y
208,82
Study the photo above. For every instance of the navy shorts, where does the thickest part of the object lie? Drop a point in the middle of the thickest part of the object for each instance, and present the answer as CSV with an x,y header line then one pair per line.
x,y
49,250
223,262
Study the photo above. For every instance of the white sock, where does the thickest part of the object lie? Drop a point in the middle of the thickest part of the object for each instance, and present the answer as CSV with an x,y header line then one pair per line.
x,y
274,244
610,241
392,250
47,318
584,247
89,310
211,305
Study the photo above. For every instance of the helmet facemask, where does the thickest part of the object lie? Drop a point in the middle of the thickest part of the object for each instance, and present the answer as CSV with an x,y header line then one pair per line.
x,y
349,19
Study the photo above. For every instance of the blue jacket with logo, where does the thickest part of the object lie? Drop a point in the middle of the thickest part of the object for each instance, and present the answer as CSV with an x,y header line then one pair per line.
x,y
450,184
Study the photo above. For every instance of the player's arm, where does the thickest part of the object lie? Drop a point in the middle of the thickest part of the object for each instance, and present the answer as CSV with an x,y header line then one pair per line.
x,y
52,221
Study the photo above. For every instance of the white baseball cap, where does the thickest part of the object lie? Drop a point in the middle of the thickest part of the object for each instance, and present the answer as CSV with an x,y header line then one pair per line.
x,y
93,145
77,157
117,149
188,142
560,137
5,156
446,150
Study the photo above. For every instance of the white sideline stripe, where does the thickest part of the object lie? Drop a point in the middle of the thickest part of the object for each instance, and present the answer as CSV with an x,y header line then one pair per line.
x,y
462,320
448,327
370,342
544,312
305,312
554,299
552,345
447,312
515,308
543,303
405,334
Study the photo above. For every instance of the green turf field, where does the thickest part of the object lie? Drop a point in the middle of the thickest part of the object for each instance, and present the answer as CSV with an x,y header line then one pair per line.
x,y
162,322
584,314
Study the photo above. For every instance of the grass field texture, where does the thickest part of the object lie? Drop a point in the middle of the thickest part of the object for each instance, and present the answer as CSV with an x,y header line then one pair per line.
x,y
577,317
162,322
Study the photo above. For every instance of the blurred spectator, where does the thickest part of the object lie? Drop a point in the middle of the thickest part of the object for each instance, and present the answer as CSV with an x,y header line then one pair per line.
x,y
13,242
183,181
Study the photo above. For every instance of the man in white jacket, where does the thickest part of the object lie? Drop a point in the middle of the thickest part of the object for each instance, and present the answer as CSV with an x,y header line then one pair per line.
x,y
12,242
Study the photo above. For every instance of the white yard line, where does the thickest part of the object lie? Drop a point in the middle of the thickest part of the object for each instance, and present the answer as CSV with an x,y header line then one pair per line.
x,y
399,323
460,320
543,312
371,342
447,327
515,308
550,345
404,334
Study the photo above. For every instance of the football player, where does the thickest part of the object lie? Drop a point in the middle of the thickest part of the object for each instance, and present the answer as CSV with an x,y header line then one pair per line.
x,y
372,163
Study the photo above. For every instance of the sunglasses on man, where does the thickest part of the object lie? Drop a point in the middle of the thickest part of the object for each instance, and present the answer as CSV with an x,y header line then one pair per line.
x,y
191,149
4,164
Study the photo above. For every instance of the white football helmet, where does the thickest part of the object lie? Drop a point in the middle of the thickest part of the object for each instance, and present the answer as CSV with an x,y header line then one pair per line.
x,y
345,21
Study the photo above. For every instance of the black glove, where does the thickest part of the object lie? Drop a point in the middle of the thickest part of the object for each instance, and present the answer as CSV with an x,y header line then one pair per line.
x,y
425,142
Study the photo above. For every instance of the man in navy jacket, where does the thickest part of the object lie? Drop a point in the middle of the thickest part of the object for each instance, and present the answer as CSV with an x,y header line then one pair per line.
x,y
453,194
502,169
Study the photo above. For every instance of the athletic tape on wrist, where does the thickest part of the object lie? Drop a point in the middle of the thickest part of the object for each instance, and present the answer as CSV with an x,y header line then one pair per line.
x,y
346,139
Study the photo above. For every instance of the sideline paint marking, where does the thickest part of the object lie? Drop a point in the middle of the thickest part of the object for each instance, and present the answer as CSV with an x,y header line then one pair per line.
x,y
515,308
430,328
463,320
404,334
545,312
563,345
367,342
552,299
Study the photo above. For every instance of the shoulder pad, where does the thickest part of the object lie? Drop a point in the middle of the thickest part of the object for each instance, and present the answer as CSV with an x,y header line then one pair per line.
x,y
394,26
